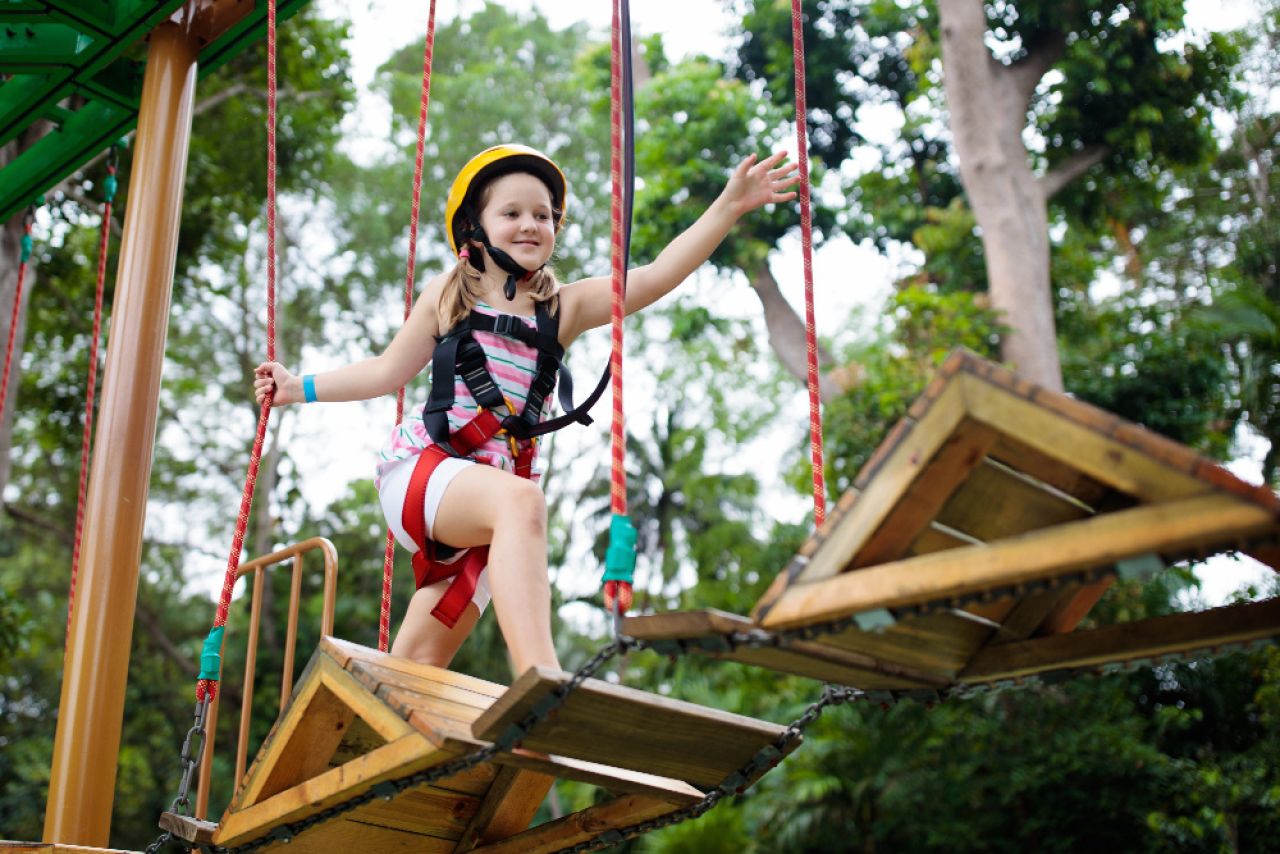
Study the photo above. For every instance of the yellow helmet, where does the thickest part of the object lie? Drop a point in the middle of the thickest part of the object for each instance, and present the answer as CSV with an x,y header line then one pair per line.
x,y
494,162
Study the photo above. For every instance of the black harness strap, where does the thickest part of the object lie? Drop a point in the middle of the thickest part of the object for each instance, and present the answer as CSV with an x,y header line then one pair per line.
x,y
458,354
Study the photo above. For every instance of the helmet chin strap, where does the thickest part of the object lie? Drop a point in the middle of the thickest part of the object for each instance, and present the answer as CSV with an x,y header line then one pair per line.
x,y
503,260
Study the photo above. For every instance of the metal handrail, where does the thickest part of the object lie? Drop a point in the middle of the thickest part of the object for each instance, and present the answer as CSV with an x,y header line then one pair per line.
x,y
295,551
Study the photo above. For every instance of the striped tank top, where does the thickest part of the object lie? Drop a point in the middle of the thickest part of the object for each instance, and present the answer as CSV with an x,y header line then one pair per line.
x,y
511,363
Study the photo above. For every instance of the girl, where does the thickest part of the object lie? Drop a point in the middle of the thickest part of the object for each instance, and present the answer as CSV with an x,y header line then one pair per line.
x,y
457,475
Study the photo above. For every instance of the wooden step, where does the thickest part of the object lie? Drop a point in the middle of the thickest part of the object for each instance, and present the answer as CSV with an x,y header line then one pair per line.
x,y
1172,634
615,725
359,718
706,632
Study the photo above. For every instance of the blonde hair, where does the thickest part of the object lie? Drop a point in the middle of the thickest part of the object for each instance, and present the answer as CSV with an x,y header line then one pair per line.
x,y
462,292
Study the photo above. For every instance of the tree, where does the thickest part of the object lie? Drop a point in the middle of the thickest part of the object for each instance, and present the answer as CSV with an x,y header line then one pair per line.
x,y
1120,105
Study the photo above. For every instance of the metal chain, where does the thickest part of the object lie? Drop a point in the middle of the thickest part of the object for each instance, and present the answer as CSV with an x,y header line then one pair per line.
x,y
161,840
734,784
389,789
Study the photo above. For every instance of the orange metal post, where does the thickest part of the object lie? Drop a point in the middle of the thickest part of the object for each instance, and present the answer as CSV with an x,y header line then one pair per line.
x,y
82,785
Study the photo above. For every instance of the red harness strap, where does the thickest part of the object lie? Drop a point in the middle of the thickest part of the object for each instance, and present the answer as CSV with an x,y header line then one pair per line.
x,y
426,568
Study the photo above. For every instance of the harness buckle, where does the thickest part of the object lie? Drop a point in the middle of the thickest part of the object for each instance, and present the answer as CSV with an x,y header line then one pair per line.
x,y
503,324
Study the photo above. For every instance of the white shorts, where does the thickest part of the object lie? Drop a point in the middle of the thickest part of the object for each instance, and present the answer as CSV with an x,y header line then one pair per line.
x,y
391,494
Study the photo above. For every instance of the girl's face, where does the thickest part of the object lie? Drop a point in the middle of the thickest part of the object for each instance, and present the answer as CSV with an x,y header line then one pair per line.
x,y
518,218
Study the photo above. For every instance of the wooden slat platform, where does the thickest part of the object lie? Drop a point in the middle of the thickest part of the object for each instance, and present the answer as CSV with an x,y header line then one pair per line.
x,y
359,718
992,518
602,722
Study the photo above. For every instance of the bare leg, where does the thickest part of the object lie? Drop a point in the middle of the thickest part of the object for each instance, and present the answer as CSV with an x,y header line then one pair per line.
x,y
425,639
485,505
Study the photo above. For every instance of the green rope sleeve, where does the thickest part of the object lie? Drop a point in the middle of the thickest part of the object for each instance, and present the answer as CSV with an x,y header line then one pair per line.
x,y
211,655
620,559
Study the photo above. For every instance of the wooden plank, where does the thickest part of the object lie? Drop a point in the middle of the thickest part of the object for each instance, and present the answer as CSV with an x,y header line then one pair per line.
x,y
344,652
1017,455
935,483
580,826
940,644
911,456
1087,448
616,780
424,810
937,538
1203,522
997,502
342,834
311,744
399,758
1030,612
287,747
1157,636
802,658
425,682
600,722
507,808
358,740
188,827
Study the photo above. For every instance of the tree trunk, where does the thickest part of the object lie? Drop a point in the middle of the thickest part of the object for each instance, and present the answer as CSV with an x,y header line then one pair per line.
x,y
787,339
988,105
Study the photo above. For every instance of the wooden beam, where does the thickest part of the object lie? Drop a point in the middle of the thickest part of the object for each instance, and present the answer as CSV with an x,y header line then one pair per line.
x,y
1062,476
811,659
581,826
846,535
1083,446
935,483
1210,521
997,502
616,780
400,758
288,744
507,809
615,725
1175,633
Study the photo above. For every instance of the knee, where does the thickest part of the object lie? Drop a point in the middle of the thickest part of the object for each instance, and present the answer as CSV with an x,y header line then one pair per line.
x,y
526,508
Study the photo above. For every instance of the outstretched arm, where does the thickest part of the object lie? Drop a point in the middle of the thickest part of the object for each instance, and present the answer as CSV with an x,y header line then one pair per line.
x,y
404,358
585,304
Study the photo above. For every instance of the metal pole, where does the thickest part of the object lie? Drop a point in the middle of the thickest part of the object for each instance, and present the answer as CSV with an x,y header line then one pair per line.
x,y
82,782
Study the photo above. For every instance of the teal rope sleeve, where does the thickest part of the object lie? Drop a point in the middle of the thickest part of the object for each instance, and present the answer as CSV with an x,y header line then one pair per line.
x,y
26,248
211,655
620,559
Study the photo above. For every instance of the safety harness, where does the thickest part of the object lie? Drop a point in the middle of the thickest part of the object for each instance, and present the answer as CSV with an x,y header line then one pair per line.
x,y
458,354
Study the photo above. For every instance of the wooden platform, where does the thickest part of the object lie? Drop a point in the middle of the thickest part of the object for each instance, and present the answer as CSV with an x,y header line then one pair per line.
x,y
359,718
980,533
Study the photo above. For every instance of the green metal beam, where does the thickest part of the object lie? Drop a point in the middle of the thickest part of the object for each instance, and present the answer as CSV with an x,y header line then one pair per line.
x,y
49,67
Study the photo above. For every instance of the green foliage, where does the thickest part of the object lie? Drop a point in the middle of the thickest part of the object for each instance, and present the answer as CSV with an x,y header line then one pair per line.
x,y
919,327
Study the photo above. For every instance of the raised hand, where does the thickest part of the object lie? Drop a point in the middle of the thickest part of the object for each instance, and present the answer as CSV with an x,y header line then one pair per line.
x,y
756,184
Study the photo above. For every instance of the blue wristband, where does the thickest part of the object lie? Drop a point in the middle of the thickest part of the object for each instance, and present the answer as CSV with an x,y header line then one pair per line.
x,y
309,388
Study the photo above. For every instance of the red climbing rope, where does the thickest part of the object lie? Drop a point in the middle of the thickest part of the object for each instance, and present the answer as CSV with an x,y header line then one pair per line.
x,y
617,591
103,244
207,687
389,557
13,318
806,243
